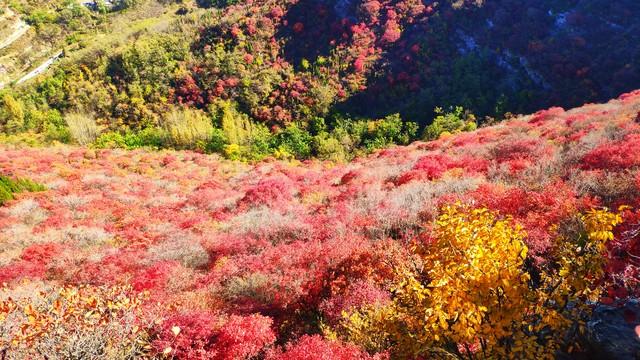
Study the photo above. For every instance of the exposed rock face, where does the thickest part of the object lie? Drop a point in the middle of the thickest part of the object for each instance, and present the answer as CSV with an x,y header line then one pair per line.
x,y
611,332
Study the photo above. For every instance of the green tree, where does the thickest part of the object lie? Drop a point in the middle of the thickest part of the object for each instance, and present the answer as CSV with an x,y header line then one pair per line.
x,y
454,121
237,126
295,141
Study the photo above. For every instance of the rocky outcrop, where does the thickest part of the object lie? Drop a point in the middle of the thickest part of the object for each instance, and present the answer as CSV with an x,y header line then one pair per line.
x,y
611,332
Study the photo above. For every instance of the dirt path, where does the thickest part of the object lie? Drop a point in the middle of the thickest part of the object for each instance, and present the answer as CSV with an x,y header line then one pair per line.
x,y
19,28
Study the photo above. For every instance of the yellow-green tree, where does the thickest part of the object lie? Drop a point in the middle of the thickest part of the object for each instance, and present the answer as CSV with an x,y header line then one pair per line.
x,y
11,114
237,127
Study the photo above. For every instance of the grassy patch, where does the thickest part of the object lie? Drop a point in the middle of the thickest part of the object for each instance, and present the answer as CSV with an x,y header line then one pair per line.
x,y
9,187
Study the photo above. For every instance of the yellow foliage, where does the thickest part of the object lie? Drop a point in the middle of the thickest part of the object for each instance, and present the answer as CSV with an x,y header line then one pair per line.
x,y
473,296
282,154
187,128
580,263
237,127
12,118
232,151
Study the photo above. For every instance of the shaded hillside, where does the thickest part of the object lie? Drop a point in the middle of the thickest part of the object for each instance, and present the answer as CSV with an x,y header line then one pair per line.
x,y
515,56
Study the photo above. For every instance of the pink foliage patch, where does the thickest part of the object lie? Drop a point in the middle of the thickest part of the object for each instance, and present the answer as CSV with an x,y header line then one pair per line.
x,y
432,167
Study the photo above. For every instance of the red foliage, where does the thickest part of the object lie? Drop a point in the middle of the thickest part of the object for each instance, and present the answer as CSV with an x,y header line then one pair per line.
x,y
200,335
41,253
358,294
432,167
294,241
392,32
630,97
516,149
316,348
195,339
545,115
154,277
188,92
270,191
243,337
618,155
22,270
537,211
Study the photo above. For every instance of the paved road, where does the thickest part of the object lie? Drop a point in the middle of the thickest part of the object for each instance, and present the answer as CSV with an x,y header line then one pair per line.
x,y
42,68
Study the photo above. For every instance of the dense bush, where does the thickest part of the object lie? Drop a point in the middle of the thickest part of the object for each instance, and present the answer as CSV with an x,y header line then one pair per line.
x,y
205,336
87,322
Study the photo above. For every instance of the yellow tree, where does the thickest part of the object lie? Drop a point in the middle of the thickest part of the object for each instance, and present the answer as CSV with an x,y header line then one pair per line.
x,y
474,297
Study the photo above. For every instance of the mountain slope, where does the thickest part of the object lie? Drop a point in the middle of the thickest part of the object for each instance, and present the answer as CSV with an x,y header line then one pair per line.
x,y
298,243
33,32
267,74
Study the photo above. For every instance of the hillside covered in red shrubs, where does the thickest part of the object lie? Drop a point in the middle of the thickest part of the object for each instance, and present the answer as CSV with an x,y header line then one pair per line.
x,y
190,256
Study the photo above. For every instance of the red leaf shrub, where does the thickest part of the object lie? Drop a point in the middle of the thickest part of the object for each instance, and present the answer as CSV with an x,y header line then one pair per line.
x,y
545,115
432,167
515,149
537,211
618,155
200,335
356,295
243,337
316,348
298,241
270,192
195,338
41,253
